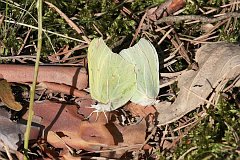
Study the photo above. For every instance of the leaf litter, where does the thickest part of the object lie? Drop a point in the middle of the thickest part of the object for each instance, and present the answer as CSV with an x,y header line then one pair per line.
x,y
218,63
62,126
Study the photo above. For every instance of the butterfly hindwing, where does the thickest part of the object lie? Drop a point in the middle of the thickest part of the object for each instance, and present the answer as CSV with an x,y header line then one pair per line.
x,y
144,56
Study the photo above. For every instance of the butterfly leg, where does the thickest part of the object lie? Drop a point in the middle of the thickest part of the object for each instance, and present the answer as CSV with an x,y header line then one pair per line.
x,y
105,116
89,115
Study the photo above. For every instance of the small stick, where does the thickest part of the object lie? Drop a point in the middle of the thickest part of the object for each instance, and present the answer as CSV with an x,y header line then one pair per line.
x,y
6,148
197,17
138,29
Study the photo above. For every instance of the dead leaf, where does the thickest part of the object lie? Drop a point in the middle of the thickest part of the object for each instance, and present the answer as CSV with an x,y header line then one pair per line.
x,y
64,120
65,127
7,97
207,27
72,76
133,134
131,137
218,63
11,133
56,87
138,110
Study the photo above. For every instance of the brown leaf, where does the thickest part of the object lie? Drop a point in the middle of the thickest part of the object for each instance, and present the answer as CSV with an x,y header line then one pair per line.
x,y
133,134
7,97
138,110
62,88
96,134
132,137
64,120
72,76
218,63
11,133
64,127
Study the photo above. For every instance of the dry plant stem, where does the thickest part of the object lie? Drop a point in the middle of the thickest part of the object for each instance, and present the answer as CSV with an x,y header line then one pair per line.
x,y
163,136
67,146
188,151
197,17
232,85
135,146
186,131
33,87
6,148
182,49
177,45
24,42
149,137
206,35
138,29
167,33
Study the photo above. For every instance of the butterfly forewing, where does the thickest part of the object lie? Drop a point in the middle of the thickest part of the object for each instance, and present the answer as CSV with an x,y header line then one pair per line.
x,y
112,79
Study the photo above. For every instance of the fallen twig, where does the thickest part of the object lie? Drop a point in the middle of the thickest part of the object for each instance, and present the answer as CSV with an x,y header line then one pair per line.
x,y
197,17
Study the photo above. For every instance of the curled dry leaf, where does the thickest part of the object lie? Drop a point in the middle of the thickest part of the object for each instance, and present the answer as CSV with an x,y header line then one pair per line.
x,y
7,97
62,88
218,63
72,76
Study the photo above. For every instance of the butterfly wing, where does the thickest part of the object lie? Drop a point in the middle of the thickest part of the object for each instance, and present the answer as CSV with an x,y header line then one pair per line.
x,y
144,56
112,79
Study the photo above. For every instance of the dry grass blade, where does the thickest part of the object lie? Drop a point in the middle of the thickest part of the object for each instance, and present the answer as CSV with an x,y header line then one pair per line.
x,y
138,29
6,148
24,42
44,30
1,19
178,45
69,21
